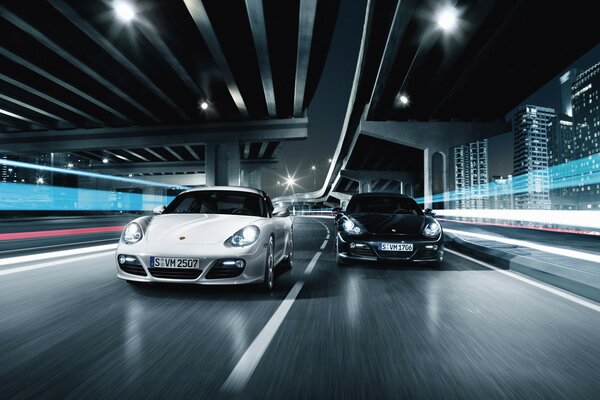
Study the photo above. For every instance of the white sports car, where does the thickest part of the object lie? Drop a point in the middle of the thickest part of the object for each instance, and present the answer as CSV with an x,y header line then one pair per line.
x,y
212,236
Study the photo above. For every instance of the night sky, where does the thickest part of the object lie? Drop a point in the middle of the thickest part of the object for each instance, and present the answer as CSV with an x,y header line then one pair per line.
x,y
328,108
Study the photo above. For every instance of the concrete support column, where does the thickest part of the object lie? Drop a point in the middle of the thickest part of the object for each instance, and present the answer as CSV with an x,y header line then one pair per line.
x,y
223,164
427,181
251,178
364,186
444,174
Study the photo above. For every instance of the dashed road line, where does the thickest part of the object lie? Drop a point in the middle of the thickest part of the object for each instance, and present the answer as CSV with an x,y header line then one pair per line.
x,y
244,369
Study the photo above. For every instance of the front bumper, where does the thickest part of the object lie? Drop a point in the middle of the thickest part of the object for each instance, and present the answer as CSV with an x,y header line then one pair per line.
x,y
210,271
365,248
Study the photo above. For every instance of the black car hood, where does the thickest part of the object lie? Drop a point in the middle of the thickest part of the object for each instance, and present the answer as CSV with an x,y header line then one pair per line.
x,y
391,224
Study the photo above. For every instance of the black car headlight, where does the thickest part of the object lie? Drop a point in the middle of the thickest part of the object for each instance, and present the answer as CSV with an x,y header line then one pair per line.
x,y
132,233
244,237
432,230
352,227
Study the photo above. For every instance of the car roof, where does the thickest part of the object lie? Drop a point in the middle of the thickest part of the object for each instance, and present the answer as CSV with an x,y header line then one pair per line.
x,y
227,189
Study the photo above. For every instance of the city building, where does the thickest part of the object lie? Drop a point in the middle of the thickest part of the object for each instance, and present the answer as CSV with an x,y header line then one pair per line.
x,y
501,193
9,173
586,121
531,177
471,175
561,147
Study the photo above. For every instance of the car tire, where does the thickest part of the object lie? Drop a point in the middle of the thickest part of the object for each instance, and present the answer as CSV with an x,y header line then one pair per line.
x,y
269,279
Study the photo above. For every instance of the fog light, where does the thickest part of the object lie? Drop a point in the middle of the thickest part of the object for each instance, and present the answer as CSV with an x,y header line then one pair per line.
x,y
125,259
234,263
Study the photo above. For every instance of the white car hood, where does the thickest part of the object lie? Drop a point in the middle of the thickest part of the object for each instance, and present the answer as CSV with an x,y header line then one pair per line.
x,y
195,228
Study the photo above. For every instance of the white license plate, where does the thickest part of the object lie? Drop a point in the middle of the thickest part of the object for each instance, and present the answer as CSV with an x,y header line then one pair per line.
x,y
396,246
165,262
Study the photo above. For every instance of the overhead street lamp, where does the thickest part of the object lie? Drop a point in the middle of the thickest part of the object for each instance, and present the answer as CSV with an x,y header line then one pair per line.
x,y
124,10
447,18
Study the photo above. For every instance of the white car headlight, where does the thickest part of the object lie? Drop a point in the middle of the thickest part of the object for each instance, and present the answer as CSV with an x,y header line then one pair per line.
x,y
351,227
132,233
244,237
432,230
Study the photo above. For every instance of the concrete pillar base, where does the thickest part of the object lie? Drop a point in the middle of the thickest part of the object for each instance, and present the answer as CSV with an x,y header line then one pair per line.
x,y
223,164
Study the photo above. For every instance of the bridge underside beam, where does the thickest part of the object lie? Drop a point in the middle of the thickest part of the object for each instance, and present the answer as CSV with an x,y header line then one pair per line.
x,y
174,167
433,135
134,137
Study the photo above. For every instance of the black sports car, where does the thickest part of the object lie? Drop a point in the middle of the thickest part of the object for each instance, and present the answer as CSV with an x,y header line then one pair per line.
x,y
387,227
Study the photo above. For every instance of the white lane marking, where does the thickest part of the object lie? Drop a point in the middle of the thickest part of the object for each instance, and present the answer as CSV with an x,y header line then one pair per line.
x,y
247,364
312,263
53,263
326,227
324,244
547,249
565,295
56,254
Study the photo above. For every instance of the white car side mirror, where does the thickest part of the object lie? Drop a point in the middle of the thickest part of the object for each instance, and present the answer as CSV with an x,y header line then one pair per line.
x,y
158,210
281,212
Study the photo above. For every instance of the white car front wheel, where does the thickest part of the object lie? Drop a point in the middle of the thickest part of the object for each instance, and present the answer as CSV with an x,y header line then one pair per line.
x,y
269,280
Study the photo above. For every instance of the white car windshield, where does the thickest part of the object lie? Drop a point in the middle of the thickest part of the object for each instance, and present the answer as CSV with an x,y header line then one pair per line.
x,y
218,202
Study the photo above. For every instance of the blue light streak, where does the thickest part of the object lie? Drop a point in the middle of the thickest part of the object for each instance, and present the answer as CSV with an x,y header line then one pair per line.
x,y
21,164
577,173
20,196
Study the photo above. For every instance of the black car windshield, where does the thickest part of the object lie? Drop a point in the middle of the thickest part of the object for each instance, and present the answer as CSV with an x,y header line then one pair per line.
x,y
383,205
218,202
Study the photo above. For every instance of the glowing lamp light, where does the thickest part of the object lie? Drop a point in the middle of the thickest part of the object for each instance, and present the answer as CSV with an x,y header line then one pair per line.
x,y
313,167
403,99
289,181
447,18
40,181
124,11
105,160
204,105
70,165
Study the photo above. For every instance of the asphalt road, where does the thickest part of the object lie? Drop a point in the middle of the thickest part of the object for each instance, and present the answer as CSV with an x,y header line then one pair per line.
x,y
73,331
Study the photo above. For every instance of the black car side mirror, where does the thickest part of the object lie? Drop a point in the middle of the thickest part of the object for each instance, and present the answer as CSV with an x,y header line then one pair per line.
x,y
336,210
429,211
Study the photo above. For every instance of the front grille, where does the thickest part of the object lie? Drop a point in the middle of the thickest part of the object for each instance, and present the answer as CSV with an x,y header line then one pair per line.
x,y
133,269
426,253
396,254
362,252
224,271
175,273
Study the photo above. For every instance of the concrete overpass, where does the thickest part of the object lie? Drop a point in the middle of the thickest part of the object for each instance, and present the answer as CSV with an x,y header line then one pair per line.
x,y
175,84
